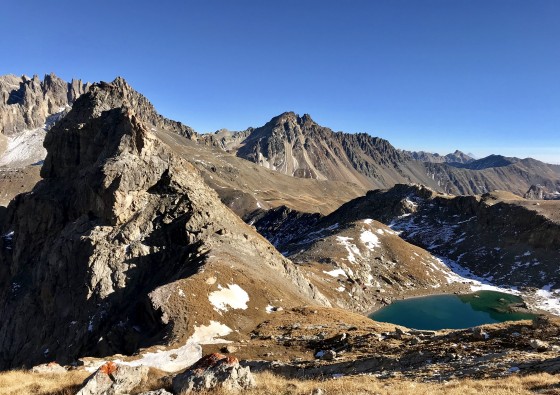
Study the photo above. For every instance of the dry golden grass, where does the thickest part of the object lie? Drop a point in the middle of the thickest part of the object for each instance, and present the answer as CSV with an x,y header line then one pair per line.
x,y
20,382
26,383
269,384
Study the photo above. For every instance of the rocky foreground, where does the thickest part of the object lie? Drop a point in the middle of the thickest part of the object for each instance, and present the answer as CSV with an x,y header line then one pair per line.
x,y
321,344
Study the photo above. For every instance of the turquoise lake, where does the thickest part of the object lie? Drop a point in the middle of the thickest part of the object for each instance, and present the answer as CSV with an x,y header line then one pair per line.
x,y
452,311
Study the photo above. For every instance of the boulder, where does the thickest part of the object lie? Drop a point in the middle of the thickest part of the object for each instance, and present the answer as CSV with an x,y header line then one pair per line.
x,y
114,379
51,367
214,371
480,334
538,345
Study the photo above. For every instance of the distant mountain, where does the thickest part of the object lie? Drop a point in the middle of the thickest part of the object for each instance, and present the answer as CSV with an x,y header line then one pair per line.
x,y
299,147
28,108
290,144
26,103
455,157
487,162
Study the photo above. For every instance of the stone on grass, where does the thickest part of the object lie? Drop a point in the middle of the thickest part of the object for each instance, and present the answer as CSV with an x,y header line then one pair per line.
x,y
113,379
214,371
51,367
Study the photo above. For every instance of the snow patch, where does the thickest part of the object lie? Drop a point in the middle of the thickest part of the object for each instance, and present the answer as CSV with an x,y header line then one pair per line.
x,y
176,359
336,273
350,248
548,300
233,297
209,334
369,239
9,236
24,149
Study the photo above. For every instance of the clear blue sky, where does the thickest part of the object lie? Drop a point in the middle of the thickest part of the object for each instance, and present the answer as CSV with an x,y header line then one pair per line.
x,y
482,76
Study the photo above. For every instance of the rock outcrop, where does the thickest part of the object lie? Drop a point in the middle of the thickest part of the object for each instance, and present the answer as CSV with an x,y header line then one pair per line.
x,y
127,246
113,379
214,371
539,192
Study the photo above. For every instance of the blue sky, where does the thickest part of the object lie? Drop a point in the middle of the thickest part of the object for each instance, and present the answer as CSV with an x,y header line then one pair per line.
x,y
482,76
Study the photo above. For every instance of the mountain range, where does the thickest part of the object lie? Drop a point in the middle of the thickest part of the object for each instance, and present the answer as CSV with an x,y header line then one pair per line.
x,y
137,239
299,147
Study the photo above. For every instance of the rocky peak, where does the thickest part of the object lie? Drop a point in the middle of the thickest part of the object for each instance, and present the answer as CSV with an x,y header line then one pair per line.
x,y
306,120
26,103
290,120
127,245
116,104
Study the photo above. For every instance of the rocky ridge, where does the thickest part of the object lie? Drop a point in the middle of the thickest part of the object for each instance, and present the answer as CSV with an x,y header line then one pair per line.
x,y
128,247
299,147
455,157
497,239
500,237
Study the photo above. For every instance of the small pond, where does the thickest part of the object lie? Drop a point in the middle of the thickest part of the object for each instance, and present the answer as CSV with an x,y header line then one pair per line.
x,y
453,311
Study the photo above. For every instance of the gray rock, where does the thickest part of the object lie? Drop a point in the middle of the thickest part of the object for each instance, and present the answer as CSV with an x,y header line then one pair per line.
x,y
539,345
26,103
51,367
157,392
214,371
114,379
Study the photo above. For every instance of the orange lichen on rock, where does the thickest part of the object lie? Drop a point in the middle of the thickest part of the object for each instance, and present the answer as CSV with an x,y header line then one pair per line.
x,y
108,368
